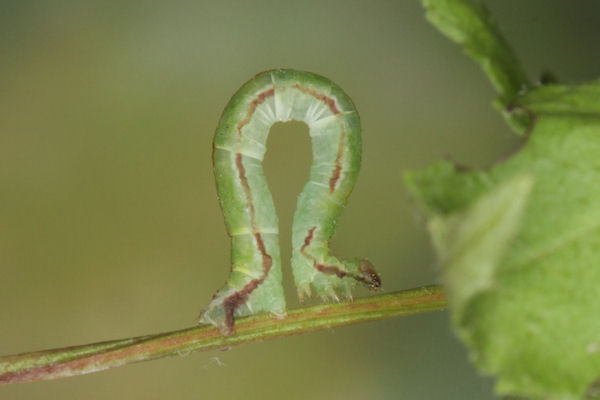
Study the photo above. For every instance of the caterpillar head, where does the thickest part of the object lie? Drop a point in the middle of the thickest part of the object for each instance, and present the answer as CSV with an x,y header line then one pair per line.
x,y
368,275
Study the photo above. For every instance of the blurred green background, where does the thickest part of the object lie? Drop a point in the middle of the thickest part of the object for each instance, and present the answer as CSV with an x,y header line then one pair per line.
x,y
109,221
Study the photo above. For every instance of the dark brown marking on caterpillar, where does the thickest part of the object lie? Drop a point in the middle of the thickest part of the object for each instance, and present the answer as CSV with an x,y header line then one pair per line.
x,y
337,171
331,270
308,239
333,108
327,269
240,297
232,302
319,96
258,100
367,275
242,174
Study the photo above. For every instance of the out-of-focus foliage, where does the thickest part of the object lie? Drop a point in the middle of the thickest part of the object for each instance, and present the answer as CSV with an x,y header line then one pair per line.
x,y
519,242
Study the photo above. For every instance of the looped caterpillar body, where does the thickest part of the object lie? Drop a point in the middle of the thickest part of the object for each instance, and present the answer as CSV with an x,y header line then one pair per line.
x,y
254,285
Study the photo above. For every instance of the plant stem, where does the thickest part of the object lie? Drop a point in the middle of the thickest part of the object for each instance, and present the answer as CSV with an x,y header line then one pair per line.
x,y
85,359
469,24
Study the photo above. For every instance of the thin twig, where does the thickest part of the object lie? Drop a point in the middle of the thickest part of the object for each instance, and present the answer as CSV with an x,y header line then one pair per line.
x,y
85,359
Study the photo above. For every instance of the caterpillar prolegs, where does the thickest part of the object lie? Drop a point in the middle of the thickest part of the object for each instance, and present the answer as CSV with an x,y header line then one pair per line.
x,y
254,285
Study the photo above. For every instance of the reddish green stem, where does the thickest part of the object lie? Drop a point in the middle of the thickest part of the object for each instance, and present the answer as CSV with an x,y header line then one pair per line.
x,y
85,359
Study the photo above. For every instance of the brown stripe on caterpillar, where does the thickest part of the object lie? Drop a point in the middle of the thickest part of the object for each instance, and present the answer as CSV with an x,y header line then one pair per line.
x,y
319,96
234,301
332,270
258,100
267,261
244,180
240,297
307,240
337,171
367,273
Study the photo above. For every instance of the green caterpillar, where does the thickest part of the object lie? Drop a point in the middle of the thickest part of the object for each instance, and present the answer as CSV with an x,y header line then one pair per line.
x,y
254,285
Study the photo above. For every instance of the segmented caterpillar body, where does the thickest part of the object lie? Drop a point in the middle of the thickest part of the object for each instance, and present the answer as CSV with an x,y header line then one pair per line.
x,y
254,285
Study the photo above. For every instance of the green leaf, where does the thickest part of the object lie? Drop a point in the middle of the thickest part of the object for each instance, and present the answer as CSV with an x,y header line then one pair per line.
x,y
520,249
519,242
470,25
471,244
